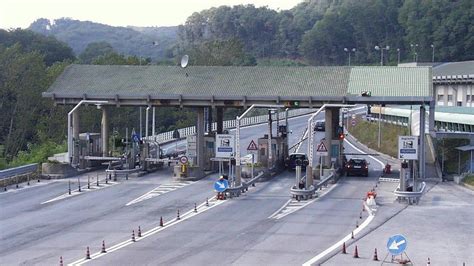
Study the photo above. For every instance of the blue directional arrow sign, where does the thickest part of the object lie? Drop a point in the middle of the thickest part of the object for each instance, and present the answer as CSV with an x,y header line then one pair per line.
x,y
396,244
221,185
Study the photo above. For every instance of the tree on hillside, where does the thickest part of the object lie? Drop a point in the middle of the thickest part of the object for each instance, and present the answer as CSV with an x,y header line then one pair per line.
x,y
94,50
52,49
221,53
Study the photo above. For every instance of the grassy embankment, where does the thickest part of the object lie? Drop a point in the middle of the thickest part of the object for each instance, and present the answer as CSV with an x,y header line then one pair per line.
x,y
367,132
469,180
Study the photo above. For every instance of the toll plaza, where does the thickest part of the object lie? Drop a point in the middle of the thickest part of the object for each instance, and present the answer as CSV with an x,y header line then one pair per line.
x,y
210,90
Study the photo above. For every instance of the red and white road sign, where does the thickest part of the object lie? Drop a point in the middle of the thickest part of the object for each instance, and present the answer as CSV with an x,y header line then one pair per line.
x,y
321,149
252,146
183,159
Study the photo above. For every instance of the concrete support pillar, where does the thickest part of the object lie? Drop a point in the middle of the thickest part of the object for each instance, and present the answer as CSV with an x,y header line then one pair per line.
x,y
200,137
421,148
431,118
329,134
105,132
270,148
209,119
75,136
220,119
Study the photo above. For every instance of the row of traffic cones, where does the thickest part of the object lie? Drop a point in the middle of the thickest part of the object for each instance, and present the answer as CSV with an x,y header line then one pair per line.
x,y
139,234
356,252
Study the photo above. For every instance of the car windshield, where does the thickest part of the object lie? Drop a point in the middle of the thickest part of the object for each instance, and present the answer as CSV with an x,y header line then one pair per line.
x,y
357,161
297,156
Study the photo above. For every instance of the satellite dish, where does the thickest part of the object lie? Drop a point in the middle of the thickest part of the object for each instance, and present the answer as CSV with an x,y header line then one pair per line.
x,y
184,61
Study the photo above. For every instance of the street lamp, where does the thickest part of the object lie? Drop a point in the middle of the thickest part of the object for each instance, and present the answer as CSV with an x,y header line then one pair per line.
x,y
432,54
398,56
349,52
415,54
381,52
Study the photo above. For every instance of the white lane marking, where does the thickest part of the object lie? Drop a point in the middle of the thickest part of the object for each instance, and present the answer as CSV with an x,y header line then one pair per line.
x,y
160,190
345,239
201,209
83,190
370,156
293,205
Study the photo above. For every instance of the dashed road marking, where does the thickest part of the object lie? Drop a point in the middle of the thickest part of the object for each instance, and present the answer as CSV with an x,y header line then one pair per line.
x,y
160,190
84,189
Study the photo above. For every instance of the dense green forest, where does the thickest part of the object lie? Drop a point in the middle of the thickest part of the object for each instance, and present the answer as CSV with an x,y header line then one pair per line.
x,y
312,33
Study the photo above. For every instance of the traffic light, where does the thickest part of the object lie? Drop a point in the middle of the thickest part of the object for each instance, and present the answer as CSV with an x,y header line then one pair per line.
x,y
341,136
290,104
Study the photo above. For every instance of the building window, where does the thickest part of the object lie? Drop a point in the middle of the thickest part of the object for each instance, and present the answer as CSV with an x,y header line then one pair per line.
x,y
459,103
440,97
468,98
450,98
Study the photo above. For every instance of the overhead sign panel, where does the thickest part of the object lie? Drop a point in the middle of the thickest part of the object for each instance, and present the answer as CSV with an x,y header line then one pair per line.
x,y
408,147
225,146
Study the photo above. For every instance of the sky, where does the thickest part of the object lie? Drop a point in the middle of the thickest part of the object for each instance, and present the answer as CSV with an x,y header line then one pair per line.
x,y
21,13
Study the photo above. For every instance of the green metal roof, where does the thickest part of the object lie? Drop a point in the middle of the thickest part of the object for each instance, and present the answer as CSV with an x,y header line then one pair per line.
x,y
391,81
201,85
202,80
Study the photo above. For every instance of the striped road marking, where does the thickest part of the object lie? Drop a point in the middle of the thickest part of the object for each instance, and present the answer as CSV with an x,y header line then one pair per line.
x,y
162,189
293,205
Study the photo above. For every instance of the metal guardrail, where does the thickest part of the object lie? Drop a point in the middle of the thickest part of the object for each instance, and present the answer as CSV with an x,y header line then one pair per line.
x,y
325,181
21,170
410,195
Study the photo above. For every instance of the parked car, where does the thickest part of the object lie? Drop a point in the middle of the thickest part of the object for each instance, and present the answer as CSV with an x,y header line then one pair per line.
x,y
320,126
357,166
290,162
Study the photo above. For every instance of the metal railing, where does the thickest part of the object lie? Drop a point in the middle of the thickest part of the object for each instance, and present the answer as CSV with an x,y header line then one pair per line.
x,y
410,195
21,170
247,121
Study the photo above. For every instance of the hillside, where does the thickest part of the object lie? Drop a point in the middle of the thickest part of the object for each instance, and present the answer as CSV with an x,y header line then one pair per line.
x,y
140,41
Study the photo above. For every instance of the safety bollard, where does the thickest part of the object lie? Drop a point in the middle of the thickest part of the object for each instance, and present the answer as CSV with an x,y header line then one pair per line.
x,y
61,263
69,187
161,221
207,202
360,215
177,217
357,224
344,248
88,182
356,253
133,235
79,184
352,235
103,247
28,183
376,258
88,254
97,179
139,232
195,208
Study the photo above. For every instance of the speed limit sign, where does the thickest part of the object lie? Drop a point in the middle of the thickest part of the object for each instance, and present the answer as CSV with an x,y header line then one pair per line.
x,y
183,159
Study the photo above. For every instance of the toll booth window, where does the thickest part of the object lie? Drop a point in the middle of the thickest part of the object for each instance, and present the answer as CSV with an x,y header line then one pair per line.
x,y
262,152
210,145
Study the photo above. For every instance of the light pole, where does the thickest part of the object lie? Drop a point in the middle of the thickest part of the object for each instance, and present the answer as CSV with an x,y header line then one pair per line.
x,y
381,52
398,56
432,53
349,52
415,54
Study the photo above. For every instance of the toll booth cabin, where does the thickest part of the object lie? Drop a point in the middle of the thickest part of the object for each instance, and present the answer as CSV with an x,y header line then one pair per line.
x,y
279,151
89,145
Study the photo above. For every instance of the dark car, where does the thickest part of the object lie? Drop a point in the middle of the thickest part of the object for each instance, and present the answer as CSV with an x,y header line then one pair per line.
x,y
290,162
357,166
320,126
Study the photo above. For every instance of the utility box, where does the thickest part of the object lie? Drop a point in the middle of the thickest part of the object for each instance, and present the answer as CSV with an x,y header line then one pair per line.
x,y
279,150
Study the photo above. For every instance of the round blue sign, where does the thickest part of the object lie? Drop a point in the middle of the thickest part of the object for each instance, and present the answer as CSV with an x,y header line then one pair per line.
x,y
396,244
221,185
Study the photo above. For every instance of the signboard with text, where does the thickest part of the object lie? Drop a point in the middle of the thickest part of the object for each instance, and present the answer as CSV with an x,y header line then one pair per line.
x,y
407,147
225,146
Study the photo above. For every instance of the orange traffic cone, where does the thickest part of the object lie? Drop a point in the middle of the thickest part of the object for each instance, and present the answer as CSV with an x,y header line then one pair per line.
x,y
88,254
356,253
177,217
103,247
133,235
61,261
376,258
344,248
139,232
161,221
